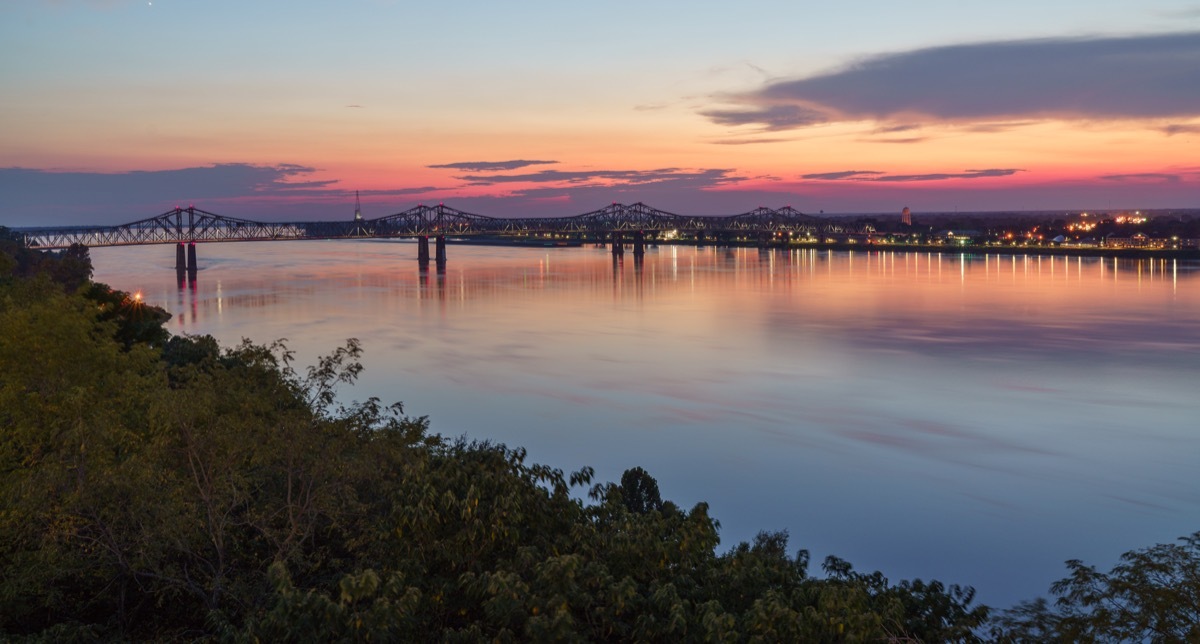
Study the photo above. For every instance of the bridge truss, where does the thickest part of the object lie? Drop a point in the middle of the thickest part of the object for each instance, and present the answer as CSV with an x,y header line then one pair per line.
x,y
195,225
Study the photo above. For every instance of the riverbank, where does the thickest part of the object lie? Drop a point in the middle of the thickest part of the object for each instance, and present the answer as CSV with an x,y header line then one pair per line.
x,y
1060,251
973,249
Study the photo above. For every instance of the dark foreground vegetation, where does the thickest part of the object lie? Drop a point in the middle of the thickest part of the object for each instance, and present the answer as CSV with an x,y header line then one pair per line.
x,y
159,487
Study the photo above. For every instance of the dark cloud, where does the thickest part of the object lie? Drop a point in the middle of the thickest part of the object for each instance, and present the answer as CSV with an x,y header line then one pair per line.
x,y
34,197
969,174
844,174
771,117
1144,77
23,186
674,176
1172,130
892,129
702,191
872,175
708,192
1143,176
490,166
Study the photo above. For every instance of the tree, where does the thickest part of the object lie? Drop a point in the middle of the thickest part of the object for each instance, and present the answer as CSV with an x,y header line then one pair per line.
x,y
73,468
136,322
639,490
1151,595
73,267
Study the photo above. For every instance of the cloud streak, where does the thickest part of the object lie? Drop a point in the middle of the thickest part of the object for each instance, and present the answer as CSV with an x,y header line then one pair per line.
x,y
910,139
1144,77
707,177
841,175
1172,130
1144,176
969,174
701,191
489,166
873,175
755,141
771,117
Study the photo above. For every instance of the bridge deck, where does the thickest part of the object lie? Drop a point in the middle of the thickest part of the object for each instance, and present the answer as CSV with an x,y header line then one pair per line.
x,y
193,224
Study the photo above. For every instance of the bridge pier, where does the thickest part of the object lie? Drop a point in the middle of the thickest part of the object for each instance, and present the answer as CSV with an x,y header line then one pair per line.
x,y
192,266
441,251
180,257
639,244
618,246
423,249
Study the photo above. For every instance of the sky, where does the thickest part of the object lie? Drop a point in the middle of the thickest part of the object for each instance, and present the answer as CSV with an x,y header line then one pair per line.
x,y
116,110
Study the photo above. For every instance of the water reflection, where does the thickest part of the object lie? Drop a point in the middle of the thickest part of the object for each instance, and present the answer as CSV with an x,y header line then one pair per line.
x,y
975,417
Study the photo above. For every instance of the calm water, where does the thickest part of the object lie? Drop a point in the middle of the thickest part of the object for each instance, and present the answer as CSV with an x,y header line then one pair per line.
x,y
977,418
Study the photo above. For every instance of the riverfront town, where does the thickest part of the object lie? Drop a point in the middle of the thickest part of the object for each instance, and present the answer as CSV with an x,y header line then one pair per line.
x,y
1159,229
1081,231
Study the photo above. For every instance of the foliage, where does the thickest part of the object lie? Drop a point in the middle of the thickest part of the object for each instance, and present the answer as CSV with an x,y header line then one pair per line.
x,y
172,489
640,492
136,322
71,267
1151,595
70,270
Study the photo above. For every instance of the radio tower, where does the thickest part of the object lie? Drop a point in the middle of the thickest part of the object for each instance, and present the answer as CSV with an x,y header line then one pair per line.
x,y
357,207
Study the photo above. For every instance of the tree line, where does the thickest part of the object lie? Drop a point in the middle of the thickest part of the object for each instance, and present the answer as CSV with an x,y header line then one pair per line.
x,y
164,487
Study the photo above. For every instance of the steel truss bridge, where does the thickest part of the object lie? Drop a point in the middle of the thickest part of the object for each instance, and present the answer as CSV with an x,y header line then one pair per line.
x,y
187,225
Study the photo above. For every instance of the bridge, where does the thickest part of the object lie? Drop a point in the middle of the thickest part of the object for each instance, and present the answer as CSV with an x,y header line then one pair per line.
x,y
613,224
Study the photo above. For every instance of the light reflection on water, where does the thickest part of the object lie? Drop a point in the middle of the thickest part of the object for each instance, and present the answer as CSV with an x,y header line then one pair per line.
x,y
975,418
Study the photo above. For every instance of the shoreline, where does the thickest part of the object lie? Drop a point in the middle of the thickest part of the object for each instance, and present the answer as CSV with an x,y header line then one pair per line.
x,y
974,249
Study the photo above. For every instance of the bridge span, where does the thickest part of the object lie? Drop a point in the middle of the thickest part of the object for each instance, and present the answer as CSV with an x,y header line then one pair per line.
x,y
616,224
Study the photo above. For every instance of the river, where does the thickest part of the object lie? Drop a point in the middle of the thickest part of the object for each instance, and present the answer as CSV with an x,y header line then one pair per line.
x,y
973,418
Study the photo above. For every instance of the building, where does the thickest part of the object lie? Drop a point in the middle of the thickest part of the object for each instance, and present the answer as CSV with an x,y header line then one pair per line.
x,y
1117,240
961,237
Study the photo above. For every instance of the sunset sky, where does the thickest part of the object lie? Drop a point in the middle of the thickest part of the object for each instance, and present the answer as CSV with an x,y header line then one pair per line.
x,y
116,110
